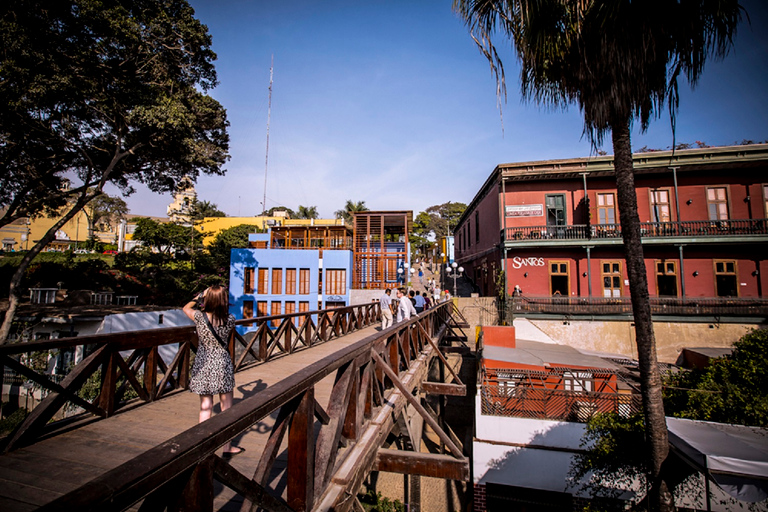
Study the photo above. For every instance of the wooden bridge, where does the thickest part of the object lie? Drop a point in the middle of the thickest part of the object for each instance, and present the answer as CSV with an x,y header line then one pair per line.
x,y
317,396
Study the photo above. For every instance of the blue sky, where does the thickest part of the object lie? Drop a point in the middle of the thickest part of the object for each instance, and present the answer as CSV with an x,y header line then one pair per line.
x,y
391,103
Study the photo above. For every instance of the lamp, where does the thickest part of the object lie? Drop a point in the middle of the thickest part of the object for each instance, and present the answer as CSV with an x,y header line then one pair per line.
x,y
457,272
583,274
688,202
695,273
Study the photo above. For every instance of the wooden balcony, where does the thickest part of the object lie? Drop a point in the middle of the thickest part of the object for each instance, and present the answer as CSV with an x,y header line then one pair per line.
x,y
651,231
693,306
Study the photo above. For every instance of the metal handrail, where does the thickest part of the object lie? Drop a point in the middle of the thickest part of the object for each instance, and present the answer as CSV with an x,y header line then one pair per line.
x,y
695,228
689,306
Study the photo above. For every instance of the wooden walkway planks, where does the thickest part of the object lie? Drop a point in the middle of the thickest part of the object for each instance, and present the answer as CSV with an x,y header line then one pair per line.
x,y
37,474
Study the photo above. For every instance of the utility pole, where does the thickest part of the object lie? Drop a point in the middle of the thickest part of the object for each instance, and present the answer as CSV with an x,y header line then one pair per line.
x,y
269,115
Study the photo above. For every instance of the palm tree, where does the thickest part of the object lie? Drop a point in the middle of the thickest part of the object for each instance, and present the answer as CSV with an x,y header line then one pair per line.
x,y
307,212
349,210
619,61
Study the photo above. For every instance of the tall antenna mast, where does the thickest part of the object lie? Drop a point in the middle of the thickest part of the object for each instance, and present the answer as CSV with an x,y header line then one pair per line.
x,y
269,115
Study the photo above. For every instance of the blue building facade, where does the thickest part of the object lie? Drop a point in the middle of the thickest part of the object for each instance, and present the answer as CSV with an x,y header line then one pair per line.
x,y
264,282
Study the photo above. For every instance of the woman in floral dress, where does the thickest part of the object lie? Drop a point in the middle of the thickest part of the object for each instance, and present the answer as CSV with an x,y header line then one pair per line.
x,y
213,372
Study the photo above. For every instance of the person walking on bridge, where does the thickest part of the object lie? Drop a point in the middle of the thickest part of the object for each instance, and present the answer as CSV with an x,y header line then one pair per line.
x,y
385,302
213,372
405,309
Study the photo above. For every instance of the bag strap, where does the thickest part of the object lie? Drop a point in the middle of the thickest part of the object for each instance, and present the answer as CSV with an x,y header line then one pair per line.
x,y
213,331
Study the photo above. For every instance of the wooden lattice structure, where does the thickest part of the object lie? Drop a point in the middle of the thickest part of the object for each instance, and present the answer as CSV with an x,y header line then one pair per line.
x,y
566,394
380,248
311,237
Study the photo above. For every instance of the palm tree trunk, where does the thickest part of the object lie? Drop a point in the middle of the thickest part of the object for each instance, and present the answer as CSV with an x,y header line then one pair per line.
x,y
653,406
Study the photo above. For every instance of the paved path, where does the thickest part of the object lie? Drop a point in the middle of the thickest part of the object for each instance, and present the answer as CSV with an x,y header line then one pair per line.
x,y
37,474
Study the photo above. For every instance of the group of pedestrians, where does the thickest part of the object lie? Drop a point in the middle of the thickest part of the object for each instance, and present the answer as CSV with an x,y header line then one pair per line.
x,y
409,304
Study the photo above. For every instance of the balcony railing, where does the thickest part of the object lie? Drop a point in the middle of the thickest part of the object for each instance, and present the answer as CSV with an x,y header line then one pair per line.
x,y
545,396
709,306
695,228
312,243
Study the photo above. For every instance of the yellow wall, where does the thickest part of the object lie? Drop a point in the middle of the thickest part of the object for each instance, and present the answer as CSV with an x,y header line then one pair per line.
x,y
26,232
210,226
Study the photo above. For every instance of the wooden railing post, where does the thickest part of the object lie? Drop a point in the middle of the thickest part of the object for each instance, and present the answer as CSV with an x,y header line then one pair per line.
x,y
301,454
184,365
150,373
197,495
108,383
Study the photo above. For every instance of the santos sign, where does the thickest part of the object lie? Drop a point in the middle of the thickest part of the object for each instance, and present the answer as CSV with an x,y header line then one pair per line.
x,y
518,262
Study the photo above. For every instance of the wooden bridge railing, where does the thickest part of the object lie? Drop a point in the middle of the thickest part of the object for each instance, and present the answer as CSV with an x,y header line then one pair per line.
x,y
375,379
126,361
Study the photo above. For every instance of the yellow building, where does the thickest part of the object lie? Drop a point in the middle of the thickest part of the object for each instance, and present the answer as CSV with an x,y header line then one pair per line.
x,y
22,234
210,226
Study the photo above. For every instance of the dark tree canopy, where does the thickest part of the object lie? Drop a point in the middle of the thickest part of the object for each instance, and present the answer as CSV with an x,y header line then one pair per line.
x,y
271,211
164,237
104,211
439,220
235,237
203,209
101,91
306,212
348,212
732,389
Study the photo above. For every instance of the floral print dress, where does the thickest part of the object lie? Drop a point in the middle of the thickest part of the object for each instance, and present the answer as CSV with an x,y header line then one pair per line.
x,y
213,372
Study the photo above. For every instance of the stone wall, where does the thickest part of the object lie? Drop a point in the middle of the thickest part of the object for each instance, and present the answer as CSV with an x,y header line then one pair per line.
x,y
618,337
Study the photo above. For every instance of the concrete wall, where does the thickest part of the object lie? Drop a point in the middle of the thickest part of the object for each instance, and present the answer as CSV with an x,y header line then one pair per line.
x,y
613,337
618,337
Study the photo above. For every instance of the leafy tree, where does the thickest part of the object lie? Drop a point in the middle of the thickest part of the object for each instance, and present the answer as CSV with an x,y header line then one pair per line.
x,y
104,211
439,220
228,239
271,211
307,212
732,389
348,212
619,61
95,91
164,237
203,209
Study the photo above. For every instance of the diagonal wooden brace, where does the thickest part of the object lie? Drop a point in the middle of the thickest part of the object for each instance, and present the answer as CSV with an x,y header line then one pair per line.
x,y
417,405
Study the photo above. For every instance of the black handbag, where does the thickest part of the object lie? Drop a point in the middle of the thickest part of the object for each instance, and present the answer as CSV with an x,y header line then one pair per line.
x,y
213,331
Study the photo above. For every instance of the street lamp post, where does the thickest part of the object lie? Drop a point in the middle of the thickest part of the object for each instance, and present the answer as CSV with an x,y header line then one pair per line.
x,y
452,272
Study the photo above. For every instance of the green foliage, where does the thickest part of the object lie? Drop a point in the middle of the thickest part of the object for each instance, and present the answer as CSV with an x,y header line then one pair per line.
x,y
732,389
350,207
439,220
13,420
235,237
271,211
307,212
165,237
614,455
375,502
203,209
105,211
141,68
93,244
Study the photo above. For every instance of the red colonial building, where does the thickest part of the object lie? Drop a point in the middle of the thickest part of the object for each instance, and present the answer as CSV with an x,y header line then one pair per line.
x,y
552,227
